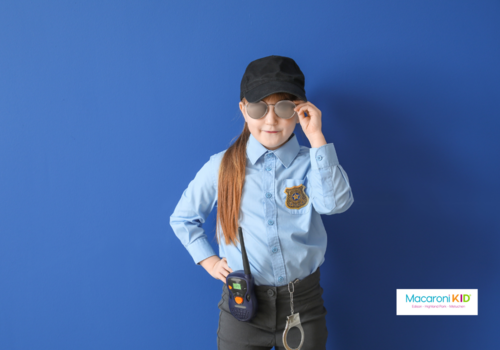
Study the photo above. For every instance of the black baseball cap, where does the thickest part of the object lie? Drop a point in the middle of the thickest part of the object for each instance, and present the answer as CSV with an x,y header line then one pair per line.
x,y
268,75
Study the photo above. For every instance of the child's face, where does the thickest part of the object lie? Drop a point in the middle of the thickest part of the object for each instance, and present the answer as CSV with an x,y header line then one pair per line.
x,y
271,122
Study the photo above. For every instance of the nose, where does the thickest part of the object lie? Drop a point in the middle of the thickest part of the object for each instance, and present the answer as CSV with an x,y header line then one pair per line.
x,y
271,117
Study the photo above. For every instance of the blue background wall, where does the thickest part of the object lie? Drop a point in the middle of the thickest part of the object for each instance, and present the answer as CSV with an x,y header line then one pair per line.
x,y
109,108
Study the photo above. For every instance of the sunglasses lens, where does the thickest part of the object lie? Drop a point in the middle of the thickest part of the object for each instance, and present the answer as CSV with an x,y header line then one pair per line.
x,y
285,109
256,110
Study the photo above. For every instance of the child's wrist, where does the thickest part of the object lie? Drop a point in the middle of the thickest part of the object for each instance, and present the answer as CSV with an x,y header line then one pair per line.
x,y
317,140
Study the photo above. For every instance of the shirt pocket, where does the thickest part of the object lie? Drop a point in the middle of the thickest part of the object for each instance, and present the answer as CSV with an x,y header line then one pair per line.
x,y
295,196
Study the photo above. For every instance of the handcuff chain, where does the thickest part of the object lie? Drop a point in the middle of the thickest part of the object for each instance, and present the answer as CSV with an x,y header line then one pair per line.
x,y
291,295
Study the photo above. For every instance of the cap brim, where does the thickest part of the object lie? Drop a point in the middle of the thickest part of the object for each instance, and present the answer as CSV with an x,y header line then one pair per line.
x,y
272,87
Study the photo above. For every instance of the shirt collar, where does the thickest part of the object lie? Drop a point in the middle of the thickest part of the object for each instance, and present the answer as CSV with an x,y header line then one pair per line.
x,y
286,153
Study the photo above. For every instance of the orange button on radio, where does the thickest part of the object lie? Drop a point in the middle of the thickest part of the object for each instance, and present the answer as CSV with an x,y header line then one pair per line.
x,y
230,287
238,300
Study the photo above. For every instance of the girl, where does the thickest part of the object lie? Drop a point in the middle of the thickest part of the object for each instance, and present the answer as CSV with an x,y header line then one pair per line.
x,y
275,190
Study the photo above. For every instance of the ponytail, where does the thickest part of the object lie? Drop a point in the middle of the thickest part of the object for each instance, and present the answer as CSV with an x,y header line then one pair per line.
x,y
231,179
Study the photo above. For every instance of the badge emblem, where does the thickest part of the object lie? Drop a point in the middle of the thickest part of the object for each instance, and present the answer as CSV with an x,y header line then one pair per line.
x,y
296,197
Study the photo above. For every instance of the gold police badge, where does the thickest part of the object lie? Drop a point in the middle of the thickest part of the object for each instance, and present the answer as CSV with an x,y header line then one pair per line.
x,y
296,197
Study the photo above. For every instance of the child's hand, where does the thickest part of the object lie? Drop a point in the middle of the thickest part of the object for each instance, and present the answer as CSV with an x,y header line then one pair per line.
x,y
311,125
220,270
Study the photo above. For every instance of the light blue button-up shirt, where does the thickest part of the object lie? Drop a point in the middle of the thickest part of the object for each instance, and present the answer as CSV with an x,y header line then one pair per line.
x,y
282,243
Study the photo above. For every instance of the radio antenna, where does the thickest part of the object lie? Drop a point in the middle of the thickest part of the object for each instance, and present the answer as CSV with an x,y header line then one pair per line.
x,y
246,266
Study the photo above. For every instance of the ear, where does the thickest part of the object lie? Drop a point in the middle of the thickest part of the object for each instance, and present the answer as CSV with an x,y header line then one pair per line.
x,y
242,109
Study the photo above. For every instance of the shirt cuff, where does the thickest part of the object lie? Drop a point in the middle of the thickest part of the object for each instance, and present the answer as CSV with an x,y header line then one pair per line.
x,y
323,157
200,250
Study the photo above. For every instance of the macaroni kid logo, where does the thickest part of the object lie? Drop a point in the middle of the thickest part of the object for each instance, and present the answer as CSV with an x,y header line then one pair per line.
x,y
459,298
436,301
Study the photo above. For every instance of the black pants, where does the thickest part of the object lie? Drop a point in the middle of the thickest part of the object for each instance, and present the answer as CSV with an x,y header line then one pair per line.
x,y
265,329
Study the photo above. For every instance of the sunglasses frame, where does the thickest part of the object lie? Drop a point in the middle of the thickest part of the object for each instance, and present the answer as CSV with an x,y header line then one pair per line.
x,y
267,109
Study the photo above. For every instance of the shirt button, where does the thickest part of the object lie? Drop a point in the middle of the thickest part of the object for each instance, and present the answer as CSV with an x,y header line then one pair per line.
x,y
268,169
280,279
275,250
270,222
268,195
270,292
319,157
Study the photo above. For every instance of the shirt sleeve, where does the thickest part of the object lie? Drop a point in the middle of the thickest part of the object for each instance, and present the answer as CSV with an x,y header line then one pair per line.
x,y
331,191
193,208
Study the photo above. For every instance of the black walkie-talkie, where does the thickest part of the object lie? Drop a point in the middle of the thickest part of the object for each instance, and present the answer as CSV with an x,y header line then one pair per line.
x,y
242,300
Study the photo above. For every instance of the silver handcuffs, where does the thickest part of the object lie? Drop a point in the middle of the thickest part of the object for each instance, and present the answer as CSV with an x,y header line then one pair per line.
x,y
293,320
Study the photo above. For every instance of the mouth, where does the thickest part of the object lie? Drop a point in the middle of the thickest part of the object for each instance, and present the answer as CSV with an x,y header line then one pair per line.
x,y
270,132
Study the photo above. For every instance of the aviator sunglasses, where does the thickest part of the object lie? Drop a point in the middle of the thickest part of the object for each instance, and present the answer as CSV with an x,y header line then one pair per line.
x,y
285,109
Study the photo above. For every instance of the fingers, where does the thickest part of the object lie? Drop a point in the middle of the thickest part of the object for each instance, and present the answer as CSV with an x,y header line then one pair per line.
x,y
298,110
226,266
307,110
223,278
302,109
224,269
